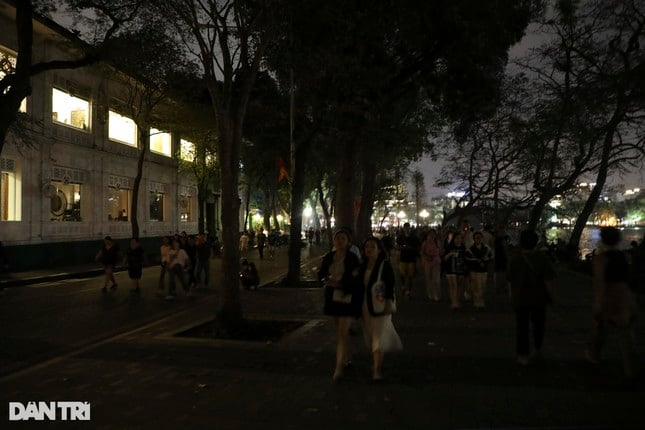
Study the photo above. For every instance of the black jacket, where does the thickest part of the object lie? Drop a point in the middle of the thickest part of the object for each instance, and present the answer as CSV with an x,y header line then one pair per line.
x,y
349,286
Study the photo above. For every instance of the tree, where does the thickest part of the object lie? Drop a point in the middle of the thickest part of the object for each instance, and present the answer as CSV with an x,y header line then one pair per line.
x,y
230,38
484,162
144,78
15,85
418,192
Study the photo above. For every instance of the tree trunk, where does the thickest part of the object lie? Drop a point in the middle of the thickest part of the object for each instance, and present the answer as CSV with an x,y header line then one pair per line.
x,y
247,209
202,193
345,186
295,229
573,247
536,211
230,309
144,140
299,160
368,190
314,212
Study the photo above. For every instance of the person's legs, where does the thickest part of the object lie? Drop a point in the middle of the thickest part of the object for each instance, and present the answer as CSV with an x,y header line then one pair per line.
x,y
538,320
377,364
162,278
453,290
436,283
522,317
109,277
598,336
427,277
478,286
342,335
626,342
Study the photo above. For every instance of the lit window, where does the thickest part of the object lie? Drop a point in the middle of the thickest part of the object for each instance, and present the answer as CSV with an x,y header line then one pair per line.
x,y
118,204
70,110
122,129
156,206
8,66
186,208
187,150
65,201
160,142
10,191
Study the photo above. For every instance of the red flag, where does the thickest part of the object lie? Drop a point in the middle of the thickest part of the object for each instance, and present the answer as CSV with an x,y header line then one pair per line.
x,y
283,173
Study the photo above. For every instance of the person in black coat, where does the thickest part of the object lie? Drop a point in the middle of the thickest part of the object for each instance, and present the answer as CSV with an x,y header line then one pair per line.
x,y
343,294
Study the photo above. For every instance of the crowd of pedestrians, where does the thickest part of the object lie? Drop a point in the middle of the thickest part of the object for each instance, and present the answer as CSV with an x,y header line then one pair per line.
x,y
471,266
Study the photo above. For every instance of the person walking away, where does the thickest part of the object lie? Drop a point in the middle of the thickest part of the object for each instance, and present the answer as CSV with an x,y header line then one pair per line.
x,y
431,260
262,240
178,262
377,277
189,245
530,276
202,261
343,295
108,256
479,256
614,306
456,271
408,253
134,262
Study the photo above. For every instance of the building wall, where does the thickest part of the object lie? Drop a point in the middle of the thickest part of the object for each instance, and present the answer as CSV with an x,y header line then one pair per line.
x,y
52,161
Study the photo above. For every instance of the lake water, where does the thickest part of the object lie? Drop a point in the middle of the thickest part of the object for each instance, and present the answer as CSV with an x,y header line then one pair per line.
x,y
591,237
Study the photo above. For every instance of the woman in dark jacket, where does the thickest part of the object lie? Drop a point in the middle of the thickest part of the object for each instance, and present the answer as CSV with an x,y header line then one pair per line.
x,y
378,279
343,295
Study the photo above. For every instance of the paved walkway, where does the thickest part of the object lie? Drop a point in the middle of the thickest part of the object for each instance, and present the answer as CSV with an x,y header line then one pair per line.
x,y
456,372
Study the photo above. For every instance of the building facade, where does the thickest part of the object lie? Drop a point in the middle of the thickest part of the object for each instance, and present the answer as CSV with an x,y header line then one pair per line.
x,y
68,168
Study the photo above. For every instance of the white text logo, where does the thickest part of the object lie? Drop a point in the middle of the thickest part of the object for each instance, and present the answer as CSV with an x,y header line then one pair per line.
x,y
52,411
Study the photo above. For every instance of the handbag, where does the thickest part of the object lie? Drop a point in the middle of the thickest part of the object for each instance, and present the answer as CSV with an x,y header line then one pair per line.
x,y
378,293
380,304
339,296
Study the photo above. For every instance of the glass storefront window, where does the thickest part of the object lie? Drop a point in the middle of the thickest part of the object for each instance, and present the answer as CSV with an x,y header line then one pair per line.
x,y
122,129
156,206
160,142
186,212
70,110
65,202
118,204
10,196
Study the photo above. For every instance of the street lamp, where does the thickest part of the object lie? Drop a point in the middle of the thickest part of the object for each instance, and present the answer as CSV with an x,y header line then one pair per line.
x,y
401,216
424,214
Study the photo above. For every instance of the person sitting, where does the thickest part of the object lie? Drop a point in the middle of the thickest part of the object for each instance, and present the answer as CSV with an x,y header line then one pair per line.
x,y
249,275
